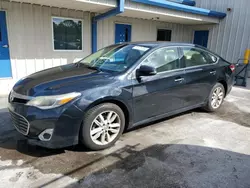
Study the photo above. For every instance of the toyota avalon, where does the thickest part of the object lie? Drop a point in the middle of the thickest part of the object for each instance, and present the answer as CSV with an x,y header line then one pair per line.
x,y
117,88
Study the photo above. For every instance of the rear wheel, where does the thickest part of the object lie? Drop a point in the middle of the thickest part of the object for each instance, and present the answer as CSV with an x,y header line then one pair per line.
x,y
102,126
216,98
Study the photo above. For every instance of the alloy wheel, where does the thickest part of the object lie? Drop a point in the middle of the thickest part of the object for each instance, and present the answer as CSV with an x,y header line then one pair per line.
x,y
105,127
217,97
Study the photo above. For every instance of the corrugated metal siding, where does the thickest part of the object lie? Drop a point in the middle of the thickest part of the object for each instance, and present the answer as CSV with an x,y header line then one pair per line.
x,y
30,39
231,37
142,30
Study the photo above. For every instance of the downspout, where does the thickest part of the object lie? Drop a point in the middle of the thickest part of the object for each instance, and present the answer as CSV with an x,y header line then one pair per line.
x,y
118,10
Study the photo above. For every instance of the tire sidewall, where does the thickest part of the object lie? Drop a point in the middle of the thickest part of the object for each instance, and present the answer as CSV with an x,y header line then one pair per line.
x,y
87,122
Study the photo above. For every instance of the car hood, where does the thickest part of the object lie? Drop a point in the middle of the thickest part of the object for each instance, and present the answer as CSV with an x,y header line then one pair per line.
x,y
61,79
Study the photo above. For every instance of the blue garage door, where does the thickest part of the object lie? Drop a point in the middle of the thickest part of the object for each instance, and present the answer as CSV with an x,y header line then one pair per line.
x,y
5,67
201,38
122,33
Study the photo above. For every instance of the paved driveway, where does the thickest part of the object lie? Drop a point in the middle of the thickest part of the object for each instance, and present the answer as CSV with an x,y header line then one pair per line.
x,y
194,149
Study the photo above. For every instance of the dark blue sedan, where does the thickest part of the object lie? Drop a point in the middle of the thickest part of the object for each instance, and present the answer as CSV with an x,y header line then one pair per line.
x,y
119,87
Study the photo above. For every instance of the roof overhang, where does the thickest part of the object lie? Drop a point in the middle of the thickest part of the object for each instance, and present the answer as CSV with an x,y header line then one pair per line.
x,y
168,16
83,5
132,9
185,2
183,8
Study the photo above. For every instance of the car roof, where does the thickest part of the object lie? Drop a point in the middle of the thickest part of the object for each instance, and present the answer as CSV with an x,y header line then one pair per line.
x,y
160,43
155,44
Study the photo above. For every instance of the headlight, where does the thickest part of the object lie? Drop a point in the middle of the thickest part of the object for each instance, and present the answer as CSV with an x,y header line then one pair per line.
x,y
53,101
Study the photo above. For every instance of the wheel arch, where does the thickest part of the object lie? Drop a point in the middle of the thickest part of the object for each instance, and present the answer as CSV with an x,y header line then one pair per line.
x,y
224,83
126,110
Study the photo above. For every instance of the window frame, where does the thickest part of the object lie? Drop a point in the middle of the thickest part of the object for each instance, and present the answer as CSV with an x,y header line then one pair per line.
x,y
199,49
52,30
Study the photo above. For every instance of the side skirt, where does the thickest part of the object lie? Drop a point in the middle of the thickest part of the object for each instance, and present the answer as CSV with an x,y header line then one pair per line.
x,y
167,115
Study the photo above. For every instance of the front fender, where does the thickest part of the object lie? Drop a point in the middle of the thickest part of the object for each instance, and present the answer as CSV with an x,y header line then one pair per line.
x,y
120,96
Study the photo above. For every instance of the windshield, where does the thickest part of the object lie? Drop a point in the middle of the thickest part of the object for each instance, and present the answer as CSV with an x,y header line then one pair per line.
x,y
116,58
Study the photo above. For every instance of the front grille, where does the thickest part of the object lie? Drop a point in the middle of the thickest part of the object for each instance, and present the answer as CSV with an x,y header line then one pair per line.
x,y
21,124
18,100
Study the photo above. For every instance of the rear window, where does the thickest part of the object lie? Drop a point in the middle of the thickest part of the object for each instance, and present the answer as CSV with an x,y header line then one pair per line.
x,y
196,57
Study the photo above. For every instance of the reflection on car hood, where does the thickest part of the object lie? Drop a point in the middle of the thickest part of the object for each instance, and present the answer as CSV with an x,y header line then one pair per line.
x,y
60,79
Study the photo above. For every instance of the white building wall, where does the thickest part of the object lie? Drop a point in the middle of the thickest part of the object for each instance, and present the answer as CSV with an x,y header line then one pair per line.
x,y
30,39
231,37
142,30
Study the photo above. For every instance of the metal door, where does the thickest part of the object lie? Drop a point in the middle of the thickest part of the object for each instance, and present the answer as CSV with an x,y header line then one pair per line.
x,y
5,67
122,33
201,38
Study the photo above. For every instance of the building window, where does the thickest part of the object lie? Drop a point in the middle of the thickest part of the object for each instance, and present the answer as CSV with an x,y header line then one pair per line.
x,y
67,34
164,35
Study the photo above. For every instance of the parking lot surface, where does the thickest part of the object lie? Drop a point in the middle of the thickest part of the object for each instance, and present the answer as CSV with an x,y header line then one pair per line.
x,y
193,149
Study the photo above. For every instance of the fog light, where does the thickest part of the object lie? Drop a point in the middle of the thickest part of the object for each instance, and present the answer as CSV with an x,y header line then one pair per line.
x,y
46,135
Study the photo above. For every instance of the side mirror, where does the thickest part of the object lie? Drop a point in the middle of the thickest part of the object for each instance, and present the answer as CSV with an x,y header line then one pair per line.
x,y
145,70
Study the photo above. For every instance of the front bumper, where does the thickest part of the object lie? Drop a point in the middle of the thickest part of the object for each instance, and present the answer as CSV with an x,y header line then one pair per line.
x,y
65,122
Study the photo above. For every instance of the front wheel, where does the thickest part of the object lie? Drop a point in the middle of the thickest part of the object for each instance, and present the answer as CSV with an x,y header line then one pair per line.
x,y
216,98
102,126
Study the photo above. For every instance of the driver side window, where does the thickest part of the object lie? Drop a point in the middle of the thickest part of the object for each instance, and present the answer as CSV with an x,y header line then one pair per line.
x,y
163,59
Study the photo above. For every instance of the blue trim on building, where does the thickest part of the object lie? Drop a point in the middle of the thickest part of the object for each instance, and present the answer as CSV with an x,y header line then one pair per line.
x,y
185,2
181,7
94,36
118,10
5,64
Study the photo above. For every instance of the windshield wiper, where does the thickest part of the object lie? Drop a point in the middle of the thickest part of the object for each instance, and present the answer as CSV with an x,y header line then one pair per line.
x,y
93,68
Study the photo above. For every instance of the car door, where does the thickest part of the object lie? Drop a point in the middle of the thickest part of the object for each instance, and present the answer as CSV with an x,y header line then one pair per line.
x,y
200,74
161,93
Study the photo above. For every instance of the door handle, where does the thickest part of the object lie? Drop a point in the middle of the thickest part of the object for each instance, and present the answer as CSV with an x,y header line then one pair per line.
x,y
213,72
5,46
179,80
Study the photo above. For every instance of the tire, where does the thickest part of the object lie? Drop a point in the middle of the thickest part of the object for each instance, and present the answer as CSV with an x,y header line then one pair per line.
x,y
210,107
93,121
